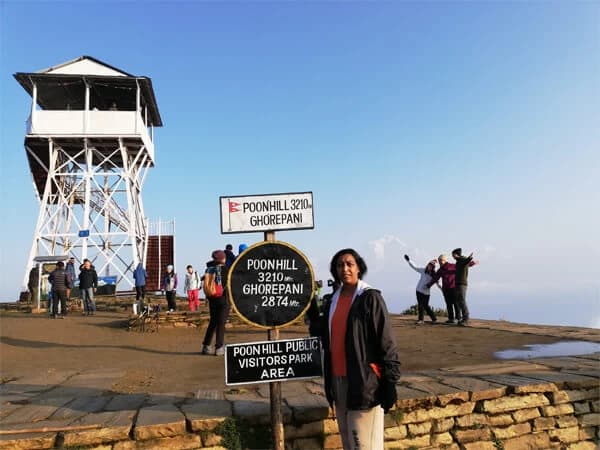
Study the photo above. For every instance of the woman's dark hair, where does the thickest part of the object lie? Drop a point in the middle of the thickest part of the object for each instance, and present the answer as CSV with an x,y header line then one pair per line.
x,y
360,262
429,268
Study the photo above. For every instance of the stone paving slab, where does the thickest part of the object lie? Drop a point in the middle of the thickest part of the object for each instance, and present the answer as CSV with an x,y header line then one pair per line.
x,y
17,398
125,402
258,411
70,391
478,389
42,425
494,368
111,426
159,421
444,393
564,379
567,362
167,397
210,394
205,414
585,372
244,394
8,409
35,412
520,382
409,398
308,408
80,407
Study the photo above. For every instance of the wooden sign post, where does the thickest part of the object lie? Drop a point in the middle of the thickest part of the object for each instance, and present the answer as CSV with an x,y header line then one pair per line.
x,y
275,387
270,284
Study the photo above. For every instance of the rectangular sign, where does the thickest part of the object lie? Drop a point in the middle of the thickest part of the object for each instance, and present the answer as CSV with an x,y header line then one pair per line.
x,y
267,361
270,212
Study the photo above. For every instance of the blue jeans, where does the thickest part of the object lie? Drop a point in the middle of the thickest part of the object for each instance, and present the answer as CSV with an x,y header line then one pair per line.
x,y
87,295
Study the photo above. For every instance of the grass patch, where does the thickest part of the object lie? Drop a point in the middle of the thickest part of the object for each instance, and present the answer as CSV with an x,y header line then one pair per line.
x,y
240,434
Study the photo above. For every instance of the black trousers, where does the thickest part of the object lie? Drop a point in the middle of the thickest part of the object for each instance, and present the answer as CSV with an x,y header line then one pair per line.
x,y
171,300
62,297
140,293
461,301
450,299
423,306
219,311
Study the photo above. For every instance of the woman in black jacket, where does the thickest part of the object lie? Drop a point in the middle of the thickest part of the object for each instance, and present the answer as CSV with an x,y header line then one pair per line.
x,y
361,362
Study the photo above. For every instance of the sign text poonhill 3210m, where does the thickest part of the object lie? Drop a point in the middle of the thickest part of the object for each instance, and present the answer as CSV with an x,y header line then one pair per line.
x,y
272,212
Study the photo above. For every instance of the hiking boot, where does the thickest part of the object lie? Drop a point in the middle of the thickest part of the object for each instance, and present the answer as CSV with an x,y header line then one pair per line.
x,y
419,322
206,350
463,323
220,351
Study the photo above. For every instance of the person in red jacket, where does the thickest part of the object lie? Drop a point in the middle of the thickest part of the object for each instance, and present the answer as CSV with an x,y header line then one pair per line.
x,y
447,273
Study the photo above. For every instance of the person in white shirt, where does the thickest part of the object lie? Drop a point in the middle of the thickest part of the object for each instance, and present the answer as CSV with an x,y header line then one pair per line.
x,y
192,287
423,289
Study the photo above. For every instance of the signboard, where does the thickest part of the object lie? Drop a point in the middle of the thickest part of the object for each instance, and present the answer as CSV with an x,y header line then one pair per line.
x,y
272,212
271,284
268,361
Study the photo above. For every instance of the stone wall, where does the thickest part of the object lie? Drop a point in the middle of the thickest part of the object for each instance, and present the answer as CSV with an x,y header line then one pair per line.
x,y
535,410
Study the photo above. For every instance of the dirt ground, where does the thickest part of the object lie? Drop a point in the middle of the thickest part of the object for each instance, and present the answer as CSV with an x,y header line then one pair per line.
x,y
170,361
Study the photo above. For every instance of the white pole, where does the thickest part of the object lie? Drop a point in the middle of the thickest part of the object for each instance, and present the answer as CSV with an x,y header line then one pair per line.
x,y
39,286
33,105
138,111
86,205
159,252
86,113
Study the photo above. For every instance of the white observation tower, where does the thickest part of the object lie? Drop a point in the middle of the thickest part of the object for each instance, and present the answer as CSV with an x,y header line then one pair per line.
x,y
90,142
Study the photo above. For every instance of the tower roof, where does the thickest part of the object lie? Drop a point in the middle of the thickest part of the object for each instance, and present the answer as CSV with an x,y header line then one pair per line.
x,y
64,84
85,65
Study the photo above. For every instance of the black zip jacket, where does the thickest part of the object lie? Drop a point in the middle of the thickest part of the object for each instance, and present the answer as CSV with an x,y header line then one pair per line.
x,y
462,270
60,280
369,339
88,278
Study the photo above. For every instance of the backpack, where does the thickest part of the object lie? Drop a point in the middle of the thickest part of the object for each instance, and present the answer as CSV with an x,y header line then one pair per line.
x,y
213,287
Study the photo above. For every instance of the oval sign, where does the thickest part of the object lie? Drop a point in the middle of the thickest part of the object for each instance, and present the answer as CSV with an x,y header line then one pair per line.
x,y
270,284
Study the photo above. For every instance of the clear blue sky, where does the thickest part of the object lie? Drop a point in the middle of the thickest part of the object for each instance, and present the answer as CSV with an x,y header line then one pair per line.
x,y
419,127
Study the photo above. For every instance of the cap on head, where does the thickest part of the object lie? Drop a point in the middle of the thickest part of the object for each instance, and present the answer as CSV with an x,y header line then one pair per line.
x,y
218,255
457,251
170,267
242,247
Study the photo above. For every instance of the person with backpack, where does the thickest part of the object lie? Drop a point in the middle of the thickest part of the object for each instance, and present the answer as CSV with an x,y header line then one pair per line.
x,y
168,284
139,276
215,280
229,255
192,285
